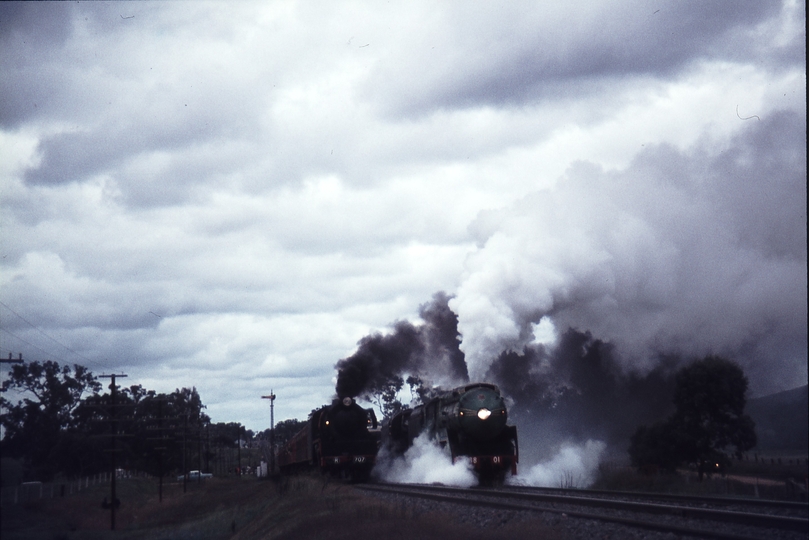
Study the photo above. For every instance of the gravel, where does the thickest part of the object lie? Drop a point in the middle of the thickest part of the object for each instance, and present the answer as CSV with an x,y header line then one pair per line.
x,y
575,527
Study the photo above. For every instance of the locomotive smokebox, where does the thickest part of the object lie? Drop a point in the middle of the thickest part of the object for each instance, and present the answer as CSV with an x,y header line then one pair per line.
x,y
480,413
346,418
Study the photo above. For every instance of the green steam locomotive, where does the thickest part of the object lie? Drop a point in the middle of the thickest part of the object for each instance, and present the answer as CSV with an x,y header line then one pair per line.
x,y
471,421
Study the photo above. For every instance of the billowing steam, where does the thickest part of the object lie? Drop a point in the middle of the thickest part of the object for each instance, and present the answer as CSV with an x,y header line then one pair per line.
x,y
429,350
684,253
575,466
424,463
681,255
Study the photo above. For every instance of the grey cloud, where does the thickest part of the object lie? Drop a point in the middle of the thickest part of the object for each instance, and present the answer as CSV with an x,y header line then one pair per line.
x,y
28,31
521,55
155,161
71,157
39,58
22,100
43,23
763,201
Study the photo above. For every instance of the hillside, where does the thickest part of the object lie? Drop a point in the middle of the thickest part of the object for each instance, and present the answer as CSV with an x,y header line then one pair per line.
x,y
782,420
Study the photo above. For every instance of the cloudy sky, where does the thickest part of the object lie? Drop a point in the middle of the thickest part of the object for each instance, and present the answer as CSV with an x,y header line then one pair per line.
x,y
229,195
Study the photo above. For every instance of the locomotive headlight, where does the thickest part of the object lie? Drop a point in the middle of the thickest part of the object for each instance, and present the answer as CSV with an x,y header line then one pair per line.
x,y
484,413
347,401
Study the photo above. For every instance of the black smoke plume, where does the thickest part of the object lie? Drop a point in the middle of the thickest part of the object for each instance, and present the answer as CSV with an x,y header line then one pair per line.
x,y
571,392
575,391
430,351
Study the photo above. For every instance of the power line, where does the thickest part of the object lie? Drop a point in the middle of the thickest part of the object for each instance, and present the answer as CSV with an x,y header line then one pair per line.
x,y
43,351
35,327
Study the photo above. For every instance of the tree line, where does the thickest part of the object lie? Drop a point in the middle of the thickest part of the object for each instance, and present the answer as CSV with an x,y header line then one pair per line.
x,y
65,421
708,427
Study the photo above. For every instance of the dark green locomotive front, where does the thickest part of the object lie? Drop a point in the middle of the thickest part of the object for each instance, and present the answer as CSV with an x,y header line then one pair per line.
x,y
472,421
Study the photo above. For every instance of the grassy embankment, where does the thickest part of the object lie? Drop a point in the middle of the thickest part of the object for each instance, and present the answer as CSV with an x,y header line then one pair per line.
x,y
241,509
743,479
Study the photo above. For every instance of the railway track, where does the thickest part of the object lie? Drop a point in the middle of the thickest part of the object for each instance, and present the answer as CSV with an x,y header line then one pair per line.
x,y
690,517
764,506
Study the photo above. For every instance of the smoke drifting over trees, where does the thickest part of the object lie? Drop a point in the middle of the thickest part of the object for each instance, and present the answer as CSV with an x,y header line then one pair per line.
x,y
429,350
571,392
575,392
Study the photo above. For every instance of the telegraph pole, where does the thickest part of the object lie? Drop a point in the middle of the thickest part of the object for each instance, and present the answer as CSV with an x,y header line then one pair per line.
x,y
208,446
185,438
12,361
114,433
271,397
239,448
160,450
161,441
199,451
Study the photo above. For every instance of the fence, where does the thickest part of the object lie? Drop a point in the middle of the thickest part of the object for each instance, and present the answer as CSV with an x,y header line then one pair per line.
x,y
32,491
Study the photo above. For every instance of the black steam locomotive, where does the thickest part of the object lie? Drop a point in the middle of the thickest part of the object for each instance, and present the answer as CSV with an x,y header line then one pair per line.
x,y
470,420
341,439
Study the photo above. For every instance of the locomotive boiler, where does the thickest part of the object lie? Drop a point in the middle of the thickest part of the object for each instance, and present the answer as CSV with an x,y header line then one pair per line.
x,y
471,421
341,439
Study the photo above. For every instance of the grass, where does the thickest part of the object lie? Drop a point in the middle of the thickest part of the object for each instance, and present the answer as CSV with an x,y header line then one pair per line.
x,y
300,507
205,511
743,479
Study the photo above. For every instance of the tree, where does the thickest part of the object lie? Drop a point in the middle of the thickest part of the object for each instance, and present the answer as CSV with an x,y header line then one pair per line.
x,y
61,423
33,426
385,397
654,448
710,400
416,385
708,425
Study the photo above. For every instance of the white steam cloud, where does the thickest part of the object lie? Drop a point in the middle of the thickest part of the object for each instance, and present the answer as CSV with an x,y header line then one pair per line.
x,y
682,253
573,466
424,463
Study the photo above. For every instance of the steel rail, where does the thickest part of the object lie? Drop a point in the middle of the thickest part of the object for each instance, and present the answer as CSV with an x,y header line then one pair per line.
x,y
520,501
788,523
768,503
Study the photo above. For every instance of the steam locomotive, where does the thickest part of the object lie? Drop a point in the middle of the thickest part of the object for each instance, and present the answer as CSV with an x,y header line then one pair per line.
x,y
470,420
341,439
